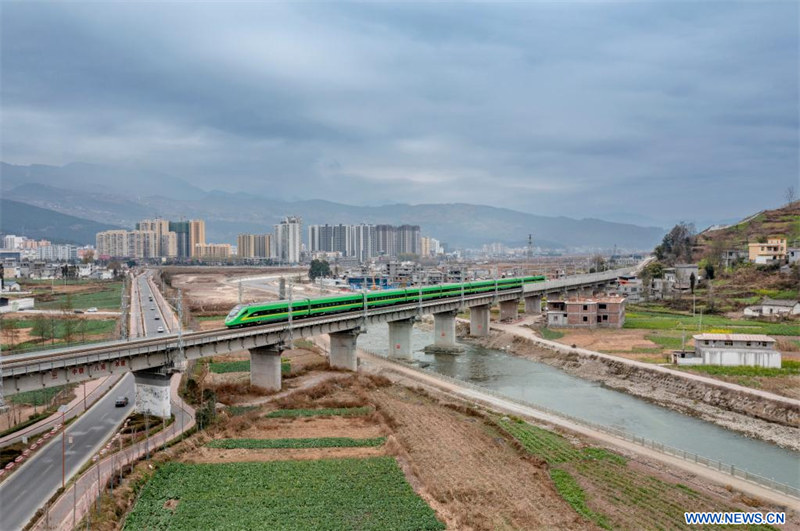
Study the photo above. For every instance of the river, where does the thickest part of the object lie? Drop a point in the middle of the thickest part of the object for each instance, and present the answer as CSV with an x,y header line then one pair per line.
x,y
539,384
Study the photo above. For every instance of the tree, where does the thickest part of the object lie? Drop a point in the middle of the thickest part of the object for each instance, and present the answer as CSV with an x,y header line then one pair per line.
x,y
40,327
598,264
88,256
692,281
677,245
709,271
10,331
790,195
319,268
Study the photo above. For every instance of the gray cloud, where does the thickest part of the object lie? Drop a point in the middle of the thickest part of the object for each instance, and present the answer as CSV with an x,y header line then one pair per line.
x,y
552,108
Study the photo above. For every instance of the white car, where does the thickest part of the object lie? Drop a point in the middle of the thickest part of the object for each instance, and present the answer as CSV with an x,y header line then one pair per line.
x,y
160,330
92,310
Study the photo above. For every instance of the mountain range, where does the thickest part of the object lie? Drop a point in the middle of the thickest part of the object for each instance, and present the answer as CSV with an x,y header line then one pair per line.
x,y
88,192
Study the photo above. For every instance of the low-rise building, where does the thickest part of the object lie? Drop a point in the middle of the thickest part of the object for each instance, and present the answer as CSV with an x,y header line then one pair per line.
x,y
15,305
630,287
755,350
766,253
602,312
793,255
773,307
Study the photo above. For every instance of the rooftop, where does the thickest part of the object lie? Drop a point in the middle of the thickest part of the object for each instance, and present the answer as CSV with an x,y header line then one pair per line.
x,y
778,302
732,337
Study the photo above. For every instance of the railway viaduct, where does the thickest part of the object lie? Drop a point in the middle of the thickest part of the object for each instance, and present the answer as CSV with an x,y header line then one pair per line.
x,y
152,360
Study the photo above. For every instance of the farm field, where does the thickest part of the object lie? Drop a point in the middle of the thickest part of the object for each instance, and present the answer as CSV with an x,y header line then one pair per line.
x,y
607,489
651,320
346,494
319,442
104,295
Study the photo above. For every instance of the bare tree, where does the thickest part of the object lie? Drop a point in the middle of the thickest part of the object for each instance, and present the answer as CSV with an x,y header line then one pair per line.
x,y
790,195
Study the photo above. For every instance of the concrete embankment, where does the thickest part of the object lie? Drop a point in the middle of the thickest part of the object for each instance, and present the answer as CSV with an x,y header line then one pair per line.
x,y
754,413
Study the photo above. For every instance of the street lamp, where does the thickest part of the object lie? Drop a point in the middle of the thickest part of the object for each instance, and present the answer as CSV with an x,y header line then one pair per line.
x,y
63,410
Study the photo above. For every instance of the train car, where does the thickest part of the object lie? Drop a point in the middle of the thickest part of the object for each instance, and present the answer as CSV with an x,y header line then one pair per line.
x,y
278,311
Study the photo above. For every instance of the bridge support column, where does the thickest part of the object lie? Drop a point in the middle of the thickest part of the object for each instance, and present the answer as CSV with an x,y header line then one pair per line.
x,y
400,339
343,350
444,334
533,305
509,310
152,393
265,367
587,291
572,293
479,321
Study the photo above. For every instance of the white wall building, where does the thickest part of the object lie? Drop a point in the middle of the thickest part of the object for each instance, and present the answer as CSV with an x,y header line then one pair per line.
x,y
755,350
288,240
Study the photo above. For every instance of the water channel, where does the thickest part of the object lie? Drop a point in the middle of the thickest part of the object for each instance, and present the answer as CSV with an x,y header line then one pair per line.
x,y
539,384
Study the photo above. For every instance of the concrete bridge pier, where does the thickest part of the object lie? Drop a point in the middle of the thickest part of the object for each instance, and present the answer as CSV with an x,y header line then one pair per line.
x,y
509,310
152,393
400,339
587,291
444,334
479,321
533,305
573,293
343,350
265,367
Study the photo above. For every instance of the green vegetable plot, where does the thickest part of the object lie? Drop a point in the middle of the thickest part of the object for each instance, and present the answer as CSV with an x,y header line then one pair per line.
x,y
330,494
328,412
321,442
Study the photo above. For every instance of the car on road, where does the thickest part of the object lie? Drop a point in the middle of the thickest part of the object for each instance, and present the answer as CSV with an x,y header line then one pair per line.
x,y
77,311
157,318
122,401
92,310
160,329
152,308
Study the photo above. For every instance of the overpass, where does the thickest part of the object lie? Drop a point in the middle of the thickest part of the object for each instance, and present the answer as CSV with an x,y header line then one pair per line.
x,y
153,359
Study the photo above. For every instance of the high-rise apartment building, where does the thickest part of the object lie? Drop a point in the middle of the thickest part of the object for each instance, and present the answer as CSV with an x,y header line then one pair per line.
x,y
112,243
181,230
212,251
365,241
253,245
197,235
245,245
288,239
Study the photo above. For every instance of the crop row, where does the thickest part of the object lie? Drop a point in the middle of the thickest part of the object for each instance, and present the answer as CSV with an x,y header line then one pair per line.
x,y
330,494
328,412
320,442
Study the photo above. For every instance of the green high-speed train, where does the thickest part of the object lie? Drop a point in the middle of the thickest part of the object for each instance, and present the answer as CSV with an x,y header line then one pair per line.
x,y
273,312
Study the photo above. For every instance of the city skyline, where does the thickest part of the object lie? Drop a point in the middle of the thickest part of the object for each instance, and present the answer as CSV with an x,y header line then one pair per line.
x,y
634,111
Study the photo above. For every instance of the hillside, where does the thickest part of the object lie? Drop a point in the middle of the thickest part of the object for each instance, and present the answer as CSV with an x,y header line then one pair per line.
x,y
34,222
784,221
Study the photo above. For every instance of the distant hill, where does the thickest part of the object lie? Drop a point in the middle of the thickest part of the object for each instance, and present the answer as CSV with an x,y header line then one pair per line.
x,y
88,195
37,223
784,221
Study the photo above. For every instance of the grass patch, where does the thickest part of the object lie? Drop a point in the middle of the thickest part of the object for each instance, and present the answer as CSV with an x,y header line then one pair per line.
x,y
107,296
222,367
573,494
318,442
80,326
788,368
210,317
37,397
235,411
331,494
665,342
327,412
677,321
548,333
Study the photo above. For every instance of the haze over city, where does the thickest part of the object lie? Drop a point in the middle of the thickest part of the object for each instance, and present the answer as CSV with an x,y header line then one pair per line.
x,y
626,112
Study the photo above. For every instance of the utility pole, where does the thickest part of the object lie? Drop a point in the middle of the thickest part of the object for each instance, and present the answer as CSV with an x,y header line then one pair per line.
x,y
240,291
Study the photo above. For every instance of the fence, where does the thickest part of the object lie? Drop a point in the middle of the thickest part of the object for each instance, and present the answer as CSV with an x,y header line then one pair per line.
x,y
85,493
641,441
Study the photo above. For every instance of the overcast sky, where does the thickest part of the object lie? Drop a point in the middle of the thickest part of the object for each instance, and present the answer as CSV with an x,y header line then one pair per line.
x,y
661,111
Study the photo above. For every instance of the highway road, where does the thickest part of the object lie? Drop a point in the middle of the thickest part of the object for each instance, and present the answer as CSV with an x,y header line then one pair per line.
x,y
35,482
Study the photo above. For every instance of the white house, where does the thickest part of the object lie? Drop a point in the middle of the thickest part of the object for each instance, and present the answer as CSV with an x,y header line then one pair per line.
x,y
772,307
755,350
